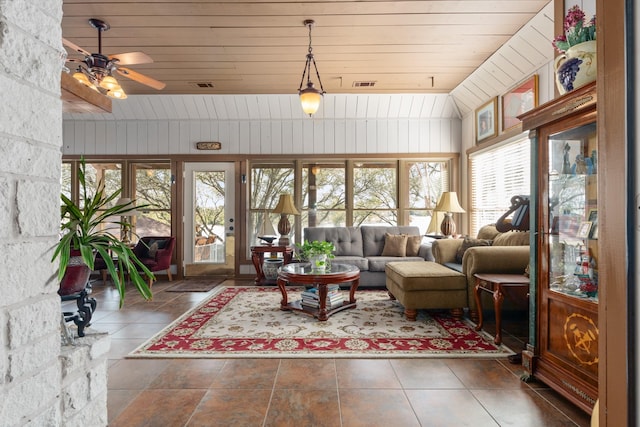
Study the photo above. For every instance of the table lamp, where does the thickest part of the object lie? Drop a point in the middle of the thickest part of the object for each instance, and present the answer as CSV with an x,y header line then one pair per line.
x,y
448,204
285,207
125,224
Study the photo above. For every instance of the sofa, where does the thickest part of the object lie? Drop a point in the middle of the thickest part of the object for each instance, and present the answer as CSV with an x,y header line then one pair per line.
x,y
490,252
370,248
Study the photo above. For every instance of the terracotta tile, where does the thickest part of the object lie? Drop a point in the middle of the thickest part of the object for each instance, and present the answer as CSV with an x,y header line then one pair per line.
x,y
142,331
476,373
120,348
366,373
247,373
118,400
231,408
188,373
524,408
130,374
307,374
370,408
576,414
444,408
295,408
160,408
425,374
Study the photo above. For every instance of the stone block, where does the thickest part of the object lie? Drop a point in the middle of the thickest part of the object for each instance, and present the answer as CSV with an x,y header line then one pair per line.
x,y
35,355
33,321
37,222
98,380
6,208
31,395
32,102
35,277
94,414
75,395
74,359
25,157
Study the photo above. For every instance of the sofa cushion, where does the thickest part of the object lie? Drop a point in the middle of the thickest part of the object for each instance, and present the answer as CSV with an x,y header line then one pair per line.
x,y
347,240
413,245
512,238
488,231
373,236
454,266
469,242
395,245
361,263
378,263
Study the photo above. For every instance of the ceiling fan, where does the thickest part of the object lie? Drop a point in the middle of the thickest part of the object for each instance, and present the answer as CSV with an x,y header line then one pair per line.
x,y
96,69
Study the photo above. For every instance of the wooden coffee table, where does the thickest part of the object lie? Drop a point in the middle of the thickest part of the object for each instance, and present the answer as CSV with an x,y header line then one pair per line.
x,y
301,273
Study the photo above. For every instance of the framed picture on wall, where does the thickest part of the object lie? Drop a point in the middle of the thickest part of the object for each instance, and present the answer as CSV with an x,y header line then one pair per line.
x,y
519,100
486,126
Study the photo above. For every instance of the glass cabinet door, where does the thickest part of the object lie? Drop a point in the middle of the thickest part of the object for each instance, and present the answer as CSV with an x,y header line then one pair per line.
x,y
573,214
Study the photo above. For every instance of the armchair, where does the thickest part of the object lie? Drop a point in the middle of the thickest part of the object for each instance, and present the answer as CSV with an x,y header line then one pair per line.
x,y
506,253
155,252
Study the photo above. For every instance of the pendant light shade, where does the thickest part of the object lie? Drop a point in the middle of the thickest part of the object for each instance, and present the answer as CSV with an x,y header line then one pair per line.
x,y
310,96
310,99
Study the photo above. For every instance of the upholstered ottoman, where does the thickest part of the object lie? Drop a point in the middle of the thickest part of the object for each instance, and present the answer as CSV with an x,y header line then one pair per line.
x,y
425,284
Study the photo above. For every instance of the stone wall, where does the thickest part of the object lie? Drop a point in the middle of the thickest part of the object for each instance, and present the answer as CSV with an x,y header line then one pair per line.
x,y
30,142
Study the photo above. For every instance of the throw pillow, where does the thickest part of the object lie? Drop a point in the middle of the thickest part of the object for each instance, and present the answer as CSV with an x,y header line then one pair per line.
x,y
395,245
153,249
469,243
413,245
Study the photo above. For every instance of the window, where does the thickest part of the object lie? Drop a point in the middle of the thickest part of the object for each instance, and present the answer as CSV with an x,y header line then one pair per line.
x,y
347,192
426,182
153,196
498,174
375,194
324,195
268,181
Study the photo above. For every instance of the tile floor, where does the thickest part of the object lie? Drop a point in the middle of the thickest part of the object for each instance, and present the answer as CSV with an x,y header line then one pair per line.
x,y
310,392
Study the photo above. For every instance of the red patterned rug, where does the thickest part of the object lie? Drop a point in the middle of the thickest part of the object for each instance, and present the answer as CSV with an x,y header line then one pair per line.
x,y
247,322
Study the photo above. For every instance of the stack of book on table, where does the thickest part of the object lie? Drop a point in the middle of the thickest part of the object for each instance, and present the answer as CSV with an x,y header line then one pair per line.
x,y
311,297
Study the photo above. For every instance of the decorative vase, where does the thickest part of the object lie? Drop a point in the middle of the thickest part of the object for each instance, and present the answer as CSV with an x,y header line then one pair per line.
x,y
318,262
576,67
270,268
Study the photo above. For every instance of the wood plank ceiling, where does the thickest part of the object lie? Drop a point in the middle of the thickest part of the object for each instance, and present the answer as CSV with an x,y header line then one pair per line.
x,y
259,46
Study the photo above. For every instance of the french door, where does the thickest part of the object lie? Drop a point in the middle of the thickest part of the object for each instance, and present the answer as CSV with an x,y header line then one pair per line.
x,y
209,224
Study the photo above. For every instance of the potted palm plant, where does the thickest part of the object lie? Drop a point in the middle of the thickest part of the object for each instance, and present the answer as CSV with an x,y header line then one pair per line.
x,y
83,234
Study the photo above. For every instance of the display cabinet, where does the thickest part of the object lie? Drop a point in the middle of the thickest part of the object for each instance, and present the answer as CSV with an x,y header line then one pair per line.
x,y
563,347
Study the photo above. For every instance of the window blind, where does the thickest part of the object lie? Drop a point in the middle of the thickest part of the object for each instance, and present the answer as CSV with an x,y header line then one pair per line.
x,y
497,174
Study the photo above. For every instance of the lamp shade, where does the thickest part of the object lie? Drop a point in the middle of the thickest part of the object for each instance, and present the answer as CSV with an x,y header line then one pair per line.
x,y
310,99
436,220
449,203
286,206
126,201
117,93
109,83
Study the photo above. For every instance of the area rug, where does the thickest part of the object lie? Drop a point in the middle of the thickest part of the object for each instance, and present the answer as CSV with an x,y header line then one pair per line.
x,y
195,285
243,321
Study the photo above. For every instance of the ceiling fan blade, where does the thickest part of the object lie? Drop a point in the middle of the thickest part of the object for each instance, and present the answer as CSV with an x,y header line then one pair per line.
x,y
141,78
129,58
75,47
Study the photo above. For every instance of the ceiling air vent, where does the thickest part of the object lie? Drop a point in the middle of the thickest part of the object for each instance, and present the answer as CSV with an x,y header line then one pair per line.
x,y
202,84
364,84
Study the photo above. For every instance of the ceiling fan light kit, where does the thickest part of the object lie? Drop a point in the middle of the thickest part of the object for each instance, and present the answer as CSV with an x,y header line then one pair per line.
x,y
310,96
96,70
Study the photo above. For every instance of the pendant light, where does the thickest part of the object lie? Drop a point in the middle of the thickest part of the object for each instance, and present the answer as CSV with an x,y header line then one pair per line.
x,y
310,96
